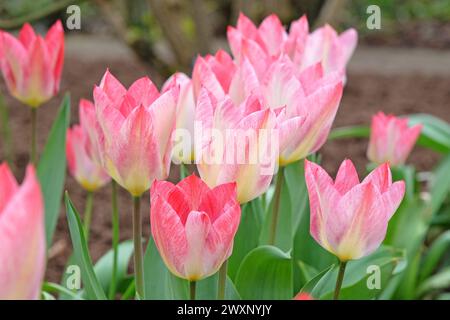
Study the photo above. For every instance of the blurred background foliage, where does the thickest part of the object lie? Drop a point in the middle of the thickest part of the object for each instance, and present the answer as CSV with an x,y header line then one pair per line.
x,y
169,33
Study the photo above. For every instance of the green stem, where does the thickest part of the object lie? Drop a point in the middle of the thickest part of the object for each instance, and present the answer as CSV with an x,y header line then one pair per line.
x,y
192,289
6,132
33,136
115,239
222,281
183,171
339,280
87,217
276,206
137,238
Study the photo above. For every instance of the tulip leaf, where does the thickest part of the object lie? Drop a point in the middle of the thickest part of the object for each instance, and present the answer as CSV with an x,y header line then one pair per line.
x,y
82,258
247,236
51,170
265,273
365,278
434,254
159,282
103,267
437,282
207,289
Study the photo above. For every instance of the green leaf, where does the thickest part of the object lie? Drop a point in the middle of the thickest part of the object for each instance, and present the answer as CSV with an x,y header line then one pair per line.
x,y
247,236
56,288
349,132
265,273
437,282
359,275
207,289
51,170
103,267
434,254
92,286
159,282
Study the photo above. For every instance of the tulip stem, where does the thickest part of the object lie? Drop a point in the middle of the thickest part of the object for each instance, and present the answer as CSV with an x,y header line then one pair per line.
x,y
183,171
192,289
339,279
33,136
87,217
6,133
137,238
222,281
276,206
115,240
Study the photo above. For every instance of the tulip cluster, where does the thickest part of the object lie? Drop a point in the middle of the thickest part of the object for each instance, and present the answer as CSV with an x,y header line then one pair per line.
x,y
239,117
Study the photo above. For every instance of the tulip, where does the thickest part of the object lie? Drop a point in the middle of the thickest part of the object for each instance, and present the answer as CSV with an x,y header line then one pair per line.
x,y
194,226
303,296
32,65
22,236
183,150
391,139
311,99
349,218
135,128
82,153
238,143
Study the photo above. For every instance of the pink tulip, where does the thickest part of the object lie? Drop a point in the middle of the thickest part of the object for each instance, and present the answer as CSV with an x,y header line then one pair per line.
x,y
349,218
303,296
135,128
391,139
332,50
83,154
194,226
22,236
311,100
32,65
183,150
238,143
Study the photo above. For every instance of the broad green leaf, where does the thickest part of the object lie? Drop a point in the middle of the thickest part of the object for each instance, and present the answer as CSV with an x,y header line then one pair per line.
x,y
247,236
437,282
92,286
103,267
265,273
434,254
159,282
51,170
349,132
207,289
56,288
361,276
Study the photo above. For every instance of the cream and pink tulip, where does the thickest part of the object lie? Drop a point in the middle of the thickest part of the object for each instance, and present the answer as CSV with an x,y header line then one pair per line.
x,y
32,65
194,226
135,131
82,152
238,143
22,236
349,218
391,139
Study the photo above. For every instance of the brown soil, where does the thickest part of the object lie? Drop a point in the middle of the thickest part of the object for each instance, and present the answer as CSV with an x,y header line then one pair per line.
x,y
364,95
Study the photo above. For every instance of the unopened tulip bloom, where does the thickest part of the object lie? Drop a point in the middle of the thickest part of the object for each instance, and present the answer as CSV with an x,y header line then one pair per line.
x,y
22,236
32,65
135,128
350,218
311,100
183,150
82,153
238,143
391,139
194,226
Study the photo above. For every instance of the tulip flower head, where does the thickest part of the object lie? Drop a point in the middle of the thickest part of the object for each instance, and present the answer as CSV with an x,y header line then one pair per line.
x,y
22,236
350,218
82,152
194,226
303,296
135,128
391,139
32,65
238,144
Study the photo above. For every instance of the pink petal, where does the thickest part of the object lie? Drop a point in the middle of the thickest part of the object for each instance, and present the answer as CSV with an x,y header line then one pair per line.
x,y
346,178
380,177
272,34
8,186
27,35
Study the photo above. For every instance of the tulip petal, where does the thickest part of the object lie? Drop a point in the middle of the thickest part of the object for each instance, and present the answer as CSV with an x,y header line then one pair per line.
x,y
8,185
381,177
346,178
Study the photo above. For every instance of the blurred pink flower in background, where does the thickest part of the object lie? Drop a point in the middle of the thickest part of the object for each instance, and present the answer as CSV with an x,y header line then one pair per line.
x,y
391,139
22,236
32,65
134,130
303,296
82,151
194,226
350,218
